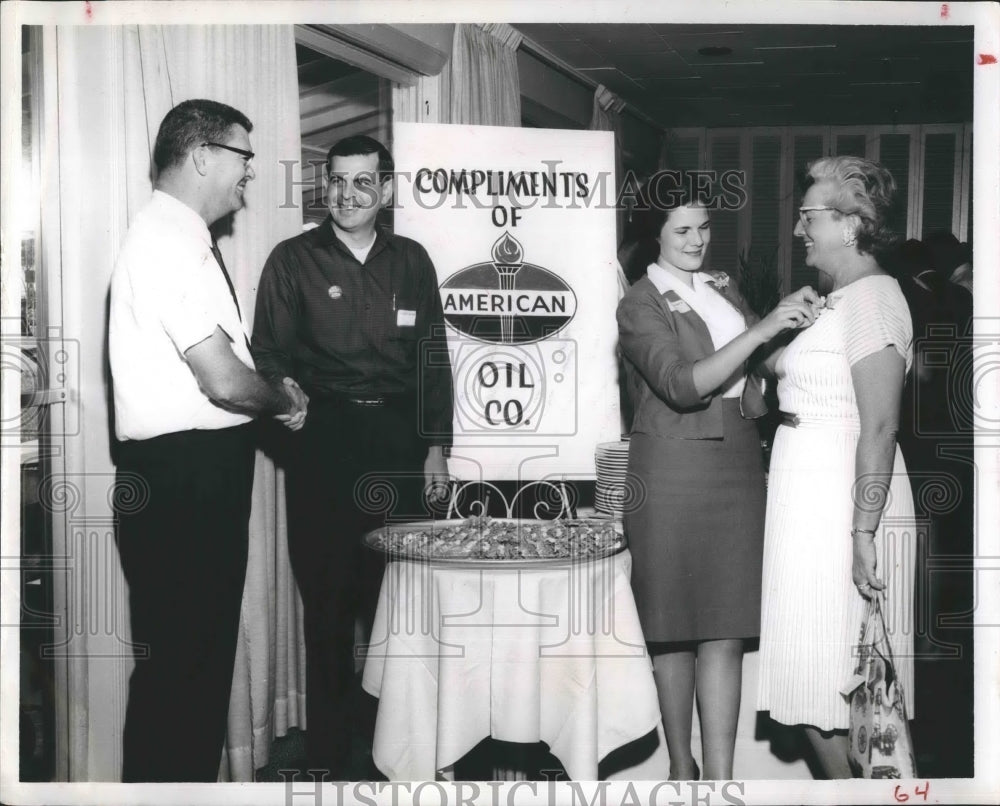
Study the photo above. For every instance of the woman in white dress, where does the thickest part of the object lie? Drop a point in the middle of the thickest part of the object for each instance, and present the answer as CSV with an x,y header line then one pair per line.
x,y
839,524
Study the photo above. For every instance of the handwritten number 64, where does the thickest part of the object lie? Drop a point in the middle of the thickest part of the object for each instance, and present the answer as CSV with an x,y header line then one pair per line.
x,y
902,797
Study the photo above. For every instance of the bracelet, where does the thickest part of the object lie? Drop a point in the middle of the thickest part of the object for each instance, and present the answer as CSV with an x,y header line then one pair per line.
x,y
855,532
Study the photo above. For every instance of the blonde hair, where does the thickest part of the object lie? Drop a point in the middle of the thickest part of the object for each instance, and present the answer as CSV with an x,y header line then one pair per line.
x,y
864,189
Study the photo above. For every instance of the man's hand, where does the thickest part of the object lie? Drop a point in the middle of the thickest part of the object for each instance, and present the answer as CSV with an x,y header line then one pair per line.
x,y
295,417
435,474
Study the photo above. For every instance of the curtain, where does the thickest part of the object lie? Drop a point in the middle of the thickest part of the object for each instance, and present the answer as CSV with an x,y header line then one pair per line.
x,y
606,117
482,75
114,85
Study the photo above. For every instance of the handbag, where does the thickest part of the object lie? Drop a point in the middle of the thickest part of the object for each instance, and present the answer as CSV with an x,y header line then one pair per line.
x,y
880,745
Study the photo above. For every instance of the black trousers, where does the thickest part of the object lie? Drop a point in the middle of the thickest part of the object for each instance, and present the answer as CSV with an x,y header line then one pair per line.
x,y
352,465
182,538
944,685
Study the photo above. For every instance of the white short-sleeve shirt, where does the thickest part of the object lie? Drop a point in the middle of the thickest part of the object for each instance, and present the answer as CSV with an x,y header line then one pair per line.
x,y
168,293
721,317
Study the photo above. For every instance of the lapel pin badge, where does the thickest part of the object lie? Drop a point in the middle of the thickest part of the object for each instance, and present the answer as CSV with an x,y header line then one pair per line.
x,y
335,292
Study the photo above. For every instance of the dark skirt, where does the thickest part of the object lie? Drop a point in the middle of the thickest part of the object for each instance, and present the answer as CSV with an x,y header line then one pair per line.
x,y
697,532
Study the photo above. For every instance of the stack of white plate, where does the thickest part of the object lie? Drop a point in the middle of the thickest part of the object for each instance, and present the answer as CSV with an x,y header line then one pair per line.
x,y
610,493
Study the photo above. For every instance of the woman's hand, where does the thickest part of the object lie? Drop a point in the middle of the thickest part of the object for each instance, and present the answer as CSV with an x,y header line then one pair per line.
x,y
807,294
796,311
863,566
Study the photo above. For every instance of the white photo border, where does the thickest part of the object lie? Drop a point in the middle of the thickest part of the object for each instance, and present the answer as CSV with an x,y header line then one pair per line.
x,y
985,17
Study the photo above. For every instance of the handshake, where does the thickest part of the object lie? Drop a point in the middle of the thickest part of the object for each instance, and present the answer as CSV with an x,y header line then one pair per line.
x,y
295,417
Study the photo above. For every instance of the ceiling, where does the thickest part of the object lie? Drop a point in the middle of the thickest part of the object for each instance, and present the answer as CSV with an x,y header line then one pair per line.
x,y
682,75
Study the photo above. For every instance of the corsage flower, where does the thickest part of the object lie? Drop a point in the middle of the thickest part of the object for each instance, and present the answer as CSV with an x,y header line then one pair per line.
x,y
719,279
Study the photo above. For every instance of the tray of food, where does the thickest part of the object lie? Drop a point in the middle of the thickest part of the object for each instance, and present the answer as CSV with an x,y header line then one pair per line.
x,y
499,541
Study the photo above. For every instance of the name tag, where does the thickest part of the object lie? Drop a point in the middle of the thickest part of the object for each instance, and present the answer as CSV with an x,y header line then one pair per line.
x,y
678,305
406,318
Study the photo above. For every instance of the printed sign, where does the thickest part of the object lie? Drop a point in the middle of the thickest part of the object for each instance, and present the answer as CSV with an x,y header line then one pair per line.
x,y
520,224
507,301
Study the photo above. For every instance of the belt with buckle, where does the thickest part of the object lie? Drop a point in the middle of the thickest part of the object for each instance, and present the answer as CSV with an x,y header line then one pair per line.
x,y
791,420
366,401
386,399
370,400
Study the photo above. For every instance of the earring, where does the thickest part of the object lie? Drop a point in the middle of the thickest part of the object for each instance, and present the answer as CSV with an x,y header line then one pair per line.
x,y
850,238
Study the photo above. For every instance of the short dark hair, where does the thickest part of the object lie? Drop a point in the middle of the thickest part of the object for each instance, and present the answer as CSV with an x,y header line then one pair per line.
x,y
191,123
656,199
945,252
661,194
865,189
362,144
912,258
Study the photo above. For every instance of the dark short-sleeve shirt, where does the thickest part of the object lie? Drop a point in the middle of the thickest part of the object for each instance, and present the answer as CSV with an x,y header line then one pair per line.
x,y
343,328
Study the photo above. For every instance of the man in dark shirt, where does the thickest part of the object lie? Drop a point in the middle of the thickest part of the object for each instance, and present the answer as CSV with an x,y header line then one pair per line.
x,y
354,315
935,435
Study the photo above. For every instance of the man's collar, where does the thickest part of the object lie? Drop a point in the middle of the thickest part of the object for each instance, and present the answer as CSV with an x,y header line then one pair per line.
x,y
327,236
181,214
324,232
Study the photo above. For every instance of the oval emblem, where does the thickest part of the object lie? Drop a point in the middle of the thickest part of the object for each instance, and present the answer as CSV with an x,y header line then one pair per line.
x,y
506,300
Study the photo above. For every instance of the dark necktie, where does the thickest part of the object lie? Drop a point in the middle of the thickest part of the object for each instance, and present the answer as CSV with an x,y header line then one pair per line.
x,y
217,253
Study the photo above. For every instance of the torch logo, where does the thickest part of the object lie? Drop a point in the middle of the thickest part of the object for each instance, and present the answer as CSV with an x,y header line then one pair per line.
x,y
507,256
506,300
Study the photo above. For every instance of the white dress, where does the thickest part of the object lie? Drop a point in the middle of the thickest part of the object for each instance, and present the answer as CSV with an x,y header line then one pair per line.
x,y
811,613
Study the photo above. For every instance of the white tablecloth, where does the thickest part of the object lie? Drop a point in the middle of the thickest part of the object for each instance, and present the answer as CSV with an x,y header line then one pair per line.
x,y
551,654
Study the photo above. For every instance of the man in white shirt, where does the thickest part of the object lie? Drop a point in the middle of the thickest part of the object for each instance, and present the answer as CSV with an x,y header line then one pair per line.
x,y
185,390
